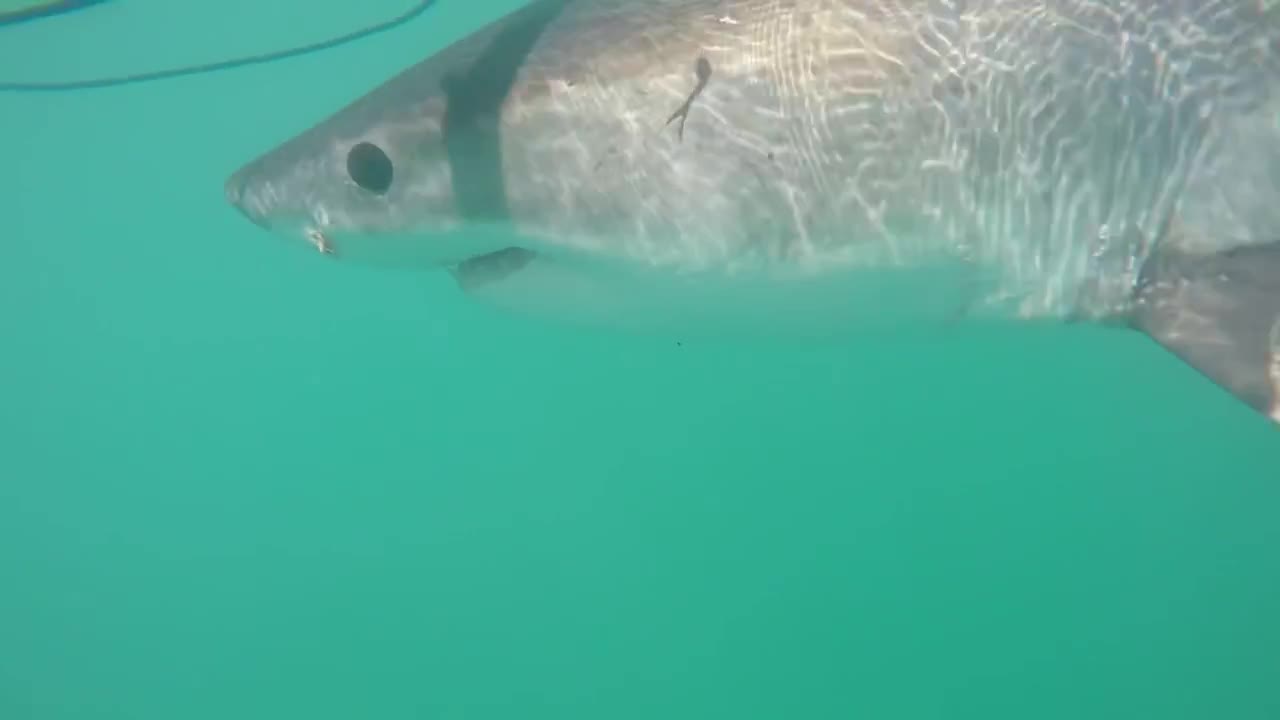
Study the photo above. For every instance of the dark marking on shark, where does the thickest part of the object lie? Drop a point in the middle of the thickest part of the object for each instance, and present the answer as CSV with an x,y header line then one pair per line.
x,y
703,70
472,118
472,135
613,150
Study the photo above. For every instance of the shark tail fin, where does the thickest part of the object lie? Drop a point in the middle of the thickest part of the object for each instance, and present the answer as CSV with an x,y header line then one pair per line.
x,y
1219,313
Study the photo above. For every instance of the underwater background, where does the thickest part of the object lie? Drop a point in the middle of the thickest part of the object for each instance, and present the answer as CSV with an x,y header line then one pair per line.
x,y
238,479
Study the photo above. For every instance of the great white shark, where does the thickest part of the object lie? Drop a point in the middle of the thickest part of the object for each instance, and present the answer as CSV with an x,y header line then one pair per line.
x,y
1113,161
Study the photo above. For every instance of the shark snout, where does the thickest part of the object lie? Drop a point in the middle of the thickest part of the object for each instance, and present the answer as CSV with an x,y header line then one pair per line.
x,y
234,190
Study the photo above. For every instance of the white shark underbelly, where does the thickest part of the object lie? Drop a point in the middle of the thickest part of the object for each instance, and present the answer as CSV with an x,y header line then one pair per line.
x,y
774,303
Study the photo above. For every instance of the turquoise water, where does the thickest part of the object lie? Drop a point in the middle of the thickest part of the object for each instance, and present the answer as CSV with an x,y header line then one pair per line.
x,y
237,480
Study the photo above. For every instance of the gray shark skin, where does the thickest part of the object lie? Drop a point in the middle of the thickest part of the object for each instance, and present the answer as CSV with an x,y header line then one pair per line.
x,y
1116,162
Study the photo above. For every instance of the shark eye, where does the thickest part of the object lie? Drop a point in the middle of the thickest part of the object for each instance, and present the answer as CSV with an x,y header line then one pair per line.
x,y
370,168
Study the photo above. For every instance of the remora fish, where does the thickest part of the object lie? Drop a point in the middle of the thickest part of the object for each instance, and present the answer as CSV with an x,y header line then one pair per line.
x,y
1116,161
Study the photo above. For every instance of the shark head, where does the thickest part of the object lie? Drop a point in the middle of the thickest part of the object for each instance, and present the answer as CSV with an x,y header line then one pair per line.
x,y
350,178
409,174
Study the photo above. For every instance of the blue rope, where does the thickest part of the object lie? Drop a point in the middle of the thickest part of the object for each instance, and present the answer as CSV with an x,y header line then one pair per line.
x,y
418,8
58,7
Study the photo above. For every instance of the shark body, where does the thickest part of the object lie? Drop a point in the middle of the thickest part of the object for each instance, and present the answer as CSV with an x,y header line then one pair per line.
x,y
1115,162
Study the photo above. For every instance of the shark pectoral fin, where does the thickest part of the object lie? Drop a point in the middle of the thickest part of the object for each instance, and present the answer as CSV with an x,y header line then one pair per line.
x,y
481,270
1220,313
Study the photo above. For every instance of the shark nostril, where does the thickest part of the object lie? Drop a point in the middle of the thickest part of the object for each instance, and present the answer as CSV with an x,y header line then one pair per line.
x,y
236,185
